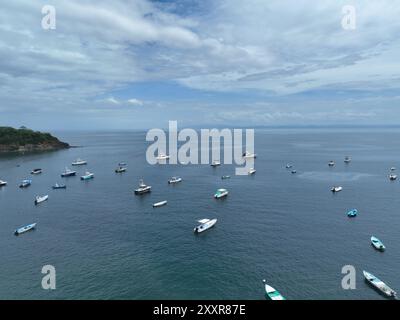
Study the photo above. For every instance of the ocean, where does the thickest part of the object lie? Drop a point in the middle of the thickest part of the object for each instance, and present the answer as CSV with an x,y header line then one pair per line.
x,y
290,229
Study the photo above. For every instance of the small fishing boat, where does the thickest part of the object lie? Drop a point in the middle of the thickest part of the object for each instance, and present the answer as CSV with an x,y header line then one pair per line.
x,y
174,180
294,171
249,155
68,173
392,177
347,159
36,171
3,183
331,163
352,213
25,229
379,285
87,176
393,169
120,170
25,183
289,166
205,224
215,163
271,293
142,188
252,171
40,199
160,204
59,186
225,177
221,193
377,243
336,189
162,156
79,162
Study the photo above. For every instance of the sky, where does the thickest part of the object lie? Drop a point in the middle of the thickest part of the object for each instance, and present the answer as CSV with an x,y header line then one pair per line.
x,y
206,63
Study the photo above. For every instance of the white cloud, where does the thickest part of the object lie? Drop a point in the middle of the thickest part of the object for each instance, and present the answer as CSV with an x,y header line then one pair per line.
x,y
135,102
113,100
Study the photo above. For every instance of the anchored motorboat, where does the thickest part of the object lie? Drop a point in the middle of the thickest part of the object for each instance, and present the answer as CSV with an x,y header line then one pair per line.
x,y
79,162
68,173
25,229
289,166
331,163
120,170
215,163
25,183
379,285
174,180
40,199
347,159
59,186
252,171
249,155
36,171
294,171
3,183
160,204
142,188
225,177
352,213
162,156
378,244
392,177
205,224
271,293
221,193
87,176
336,189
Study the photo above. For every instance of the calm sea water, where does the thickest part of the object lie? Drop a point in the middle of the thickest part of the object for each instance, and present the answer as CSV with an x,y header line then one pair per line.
x,y
106,243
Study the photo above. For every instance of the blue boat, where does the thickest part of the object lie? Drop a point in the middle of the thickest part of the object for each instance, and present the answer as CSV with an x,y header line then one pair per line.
x,y
352,213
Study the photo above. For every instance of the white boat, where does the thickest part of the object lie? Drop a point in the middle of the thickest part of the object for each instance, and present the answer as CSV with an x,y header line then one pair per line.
x,y
271,293
215,163
221,193
3,183
378,244
142,188
87,176
249,155
289,166
68,173
120,170
162,156
160,204
174,180
205,224
25,229
392,177
40,199
79,162
336,189
347,159
393,169
36,171
379,284
331,163
252,171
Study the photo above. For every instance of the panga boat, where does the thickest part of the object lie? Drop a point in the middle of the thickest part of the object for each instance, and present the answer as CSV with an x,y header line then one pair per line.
x,y
252,171
25,229
215,163
347,159
336,189
3,183
289,166
352,213
225,177
79,162
68,173
249,155
377,244
379,284
162,156
221,193
87,176
205,225
36,171
174,180
40,199
271,293
59,186
331,163
160,204
142,188
25,183
392,177
120,170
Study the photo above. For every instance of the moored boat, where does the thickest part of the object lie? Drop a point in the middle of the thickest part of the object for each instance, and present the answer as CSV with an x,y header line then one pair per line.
x,y
160,204
294,171
25,183
68,173
336,189
225,177
120,170
331,163
25,229
40,199
221,193
271,293
205,224
252,171
379,285
122,164
36,171
289,166
215,163
377,243
3,183
87,176
79,162
143,188
249,155
59,186
347,159
174,180
162,156
352,213
392,177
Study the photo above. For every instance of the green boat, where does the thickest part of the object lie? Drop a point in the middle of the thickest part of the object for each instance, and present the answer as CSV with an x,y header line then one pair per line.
x,y
271,293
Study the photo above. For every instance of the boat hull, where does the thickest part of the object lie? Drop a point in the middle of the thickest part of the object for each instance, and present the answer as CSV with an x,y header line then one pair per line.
x,y
159,204
25,229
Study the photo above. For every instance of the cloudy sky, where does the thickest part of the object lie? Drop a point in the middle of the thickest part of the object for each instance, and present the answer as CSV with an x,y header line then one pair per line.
x,y
139,63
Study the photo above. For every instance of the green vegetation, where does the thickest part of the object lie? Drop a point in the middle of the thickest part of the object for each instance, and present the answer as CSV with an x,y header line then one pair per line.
x,y
24,139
